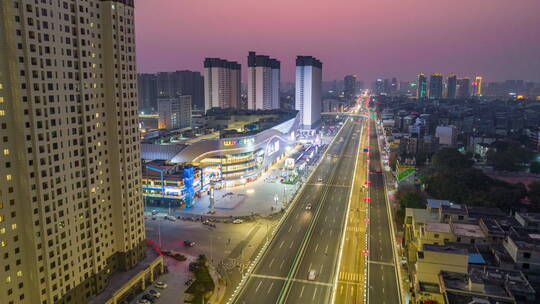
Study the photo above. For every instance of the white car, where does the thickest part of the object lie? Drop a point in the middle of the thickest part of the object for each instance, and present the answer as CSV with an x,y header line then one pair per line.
x,y
308,207
154,293
160,285
320,179
170,218
312,274
143,301
154,212
237,221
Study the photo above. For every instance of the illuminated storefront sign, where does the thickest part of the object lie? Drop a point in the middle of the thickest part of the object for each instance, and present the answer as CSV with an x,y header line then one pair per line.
x,y
238,142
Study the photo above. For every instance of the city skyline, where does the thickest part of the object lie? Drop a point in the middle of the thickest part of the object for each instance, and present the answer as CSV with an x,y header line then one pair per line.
x,y
471,40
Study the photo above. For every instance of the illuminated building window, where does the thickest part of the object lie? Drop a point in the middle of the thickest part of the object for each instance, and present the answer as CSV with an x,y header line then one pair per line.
x,y
19,273
1,218
2,113
1,99
8,177
13,226
6,151
1,86
8,279
3,244
2,230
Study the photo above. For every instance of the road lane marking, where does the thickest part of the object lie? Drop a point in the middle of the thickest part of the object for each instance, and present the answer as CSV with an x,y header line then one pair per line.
x,y
270,288
281,245
302,291
290,227
292,242
258,286
314,293
316,247
281,266
382,263
271,262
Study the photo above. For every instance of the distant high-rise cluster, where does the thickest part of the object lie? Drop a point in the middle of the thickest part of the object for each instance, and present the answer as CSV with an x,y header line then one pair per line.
x,y
221,83
453,88
263,82
308,89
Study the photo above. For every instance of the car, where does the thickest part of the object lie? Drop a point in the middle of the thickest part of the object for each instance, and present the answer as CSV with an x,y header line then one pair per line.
x,y
320,179
154,293
237,221
143,301
154,212
160,285
150,298
189,243
312,274
170,218
308,207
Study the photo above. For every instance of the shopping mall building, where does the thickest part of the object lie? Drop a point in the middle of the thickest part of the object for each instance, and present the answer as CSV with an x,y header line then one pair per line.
x,y
180,168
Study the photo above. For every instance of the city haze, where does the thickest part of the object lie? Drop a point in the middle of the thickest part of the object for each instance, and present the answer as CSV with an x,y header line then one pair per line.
x,y
372,38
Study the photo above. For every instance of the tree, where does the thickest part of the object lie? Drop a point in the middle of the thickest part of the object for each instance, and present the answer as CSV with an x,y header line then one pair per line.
x,y
535,167
450,159
534,192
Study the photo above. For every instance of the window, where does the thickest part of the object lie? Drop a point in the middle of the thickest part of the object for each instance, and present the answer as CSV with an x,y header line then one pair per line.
x,y
6,151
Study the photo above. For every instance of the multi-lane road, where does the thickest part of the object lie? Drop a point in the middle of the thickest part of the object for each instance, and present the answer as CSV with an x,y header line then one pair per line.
x,y
382,281
309,240
351,280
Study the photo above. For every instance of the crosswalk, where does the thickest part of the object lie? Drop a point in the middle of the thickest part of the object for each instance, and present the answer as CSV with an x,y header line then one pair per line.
x,y
349,276
355,229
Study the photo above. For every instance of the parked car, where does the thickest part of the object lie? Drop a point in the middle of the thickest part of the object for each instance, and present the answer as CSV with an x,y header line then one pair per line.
x,y
150,298
308,207
154,212
312,274
160,285
320,179
238,221
143,301
189,243
154,293
179,257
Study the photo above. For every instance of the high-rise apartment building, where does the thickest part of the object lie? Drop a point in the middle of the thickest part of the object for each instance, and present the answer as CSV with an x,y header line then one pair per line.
x,y
263,82
350,87
451,86
378,86
463,88
174,112
185,82
147,86
436,86
308,89
71,208
221,84
477,86
421,89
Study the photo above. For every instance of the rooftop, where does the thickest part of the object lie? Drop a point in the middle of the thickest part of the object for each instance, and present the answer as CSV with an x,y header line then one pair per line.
x,y
467,230
446,249
436,204
421,215
482,212
454,209
491,226
525,240
438,227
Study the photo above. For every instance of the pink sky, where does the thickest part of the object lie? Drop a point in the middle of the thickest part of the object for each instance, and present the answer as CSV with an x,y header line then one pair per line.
x,y
498,39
